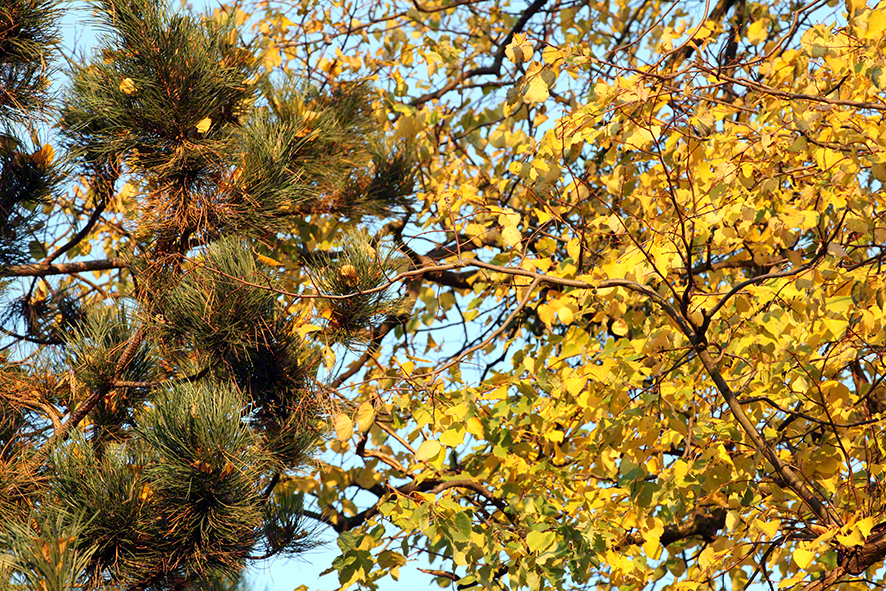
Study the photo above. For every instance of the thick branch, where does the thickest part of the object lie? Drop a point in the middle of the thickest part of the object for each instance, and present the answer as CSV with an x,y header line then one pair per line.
x,y
702,522
786,472
44,269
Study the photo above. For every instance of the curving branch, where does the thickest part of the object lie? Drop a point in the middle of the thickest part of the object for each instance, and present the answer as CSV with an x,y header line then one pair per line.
x,y
504,326
793,480
793,96
85,407
103,188
340,523
493,69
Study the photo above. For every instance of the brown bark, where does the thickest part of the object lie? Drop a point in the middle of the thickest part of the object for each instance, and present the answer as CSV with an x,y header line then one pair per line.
x,y
44,269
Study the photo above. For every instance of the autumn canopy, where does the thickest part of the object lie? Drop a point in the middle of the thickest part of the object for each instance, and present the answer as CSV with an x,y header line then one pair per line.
x,y
543,295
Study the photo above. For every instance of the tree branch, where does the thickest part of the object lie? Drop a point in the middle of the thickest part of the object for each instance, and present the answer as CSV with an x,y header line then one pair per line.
x,y
45,269
494,69
87,405
786,472
703,522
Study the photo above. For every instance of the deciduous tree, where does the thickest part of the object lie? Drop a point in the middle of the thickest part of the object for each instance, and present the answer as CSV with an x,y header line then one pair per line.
x,y
645,340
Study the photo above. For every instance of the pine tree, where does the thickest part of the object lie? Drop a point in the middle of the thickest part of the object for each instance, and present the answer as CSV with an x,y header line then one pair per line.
x,y
144,438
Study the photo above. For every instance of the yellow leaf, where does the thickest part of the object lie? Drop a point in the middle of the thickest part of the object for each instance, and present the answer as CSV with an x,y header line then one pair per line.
x,y
475,427
536,91
853,538
876,25
308,328
732,519
803,557
770,528
827,158
546,313
852,6
427,450
555,436
344,426
408,367
127,86
519,50
365,416
566,315
642,137
865,526
43,156
510,236
619,327
268,260
651,539
431,59
204,125
348,274
681,468
757,31
328,357
509,218
817,41
453,437
459,411
274,59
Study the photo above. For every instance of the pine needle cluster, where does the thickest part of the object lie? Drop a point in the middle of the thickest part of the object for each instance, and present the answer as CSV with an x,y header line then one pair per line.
x,y
28,36
356,279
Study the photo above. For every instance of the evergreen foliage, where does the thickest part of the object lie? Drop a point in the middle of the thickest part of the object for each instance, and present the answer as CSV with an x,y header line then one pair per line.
x,y
354,281
148,440
27,36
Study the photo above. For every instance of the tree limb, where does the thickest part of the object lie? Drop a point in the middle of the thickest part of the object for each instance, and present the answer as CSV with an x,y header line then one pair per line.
x,y
45,269
703,522
784,471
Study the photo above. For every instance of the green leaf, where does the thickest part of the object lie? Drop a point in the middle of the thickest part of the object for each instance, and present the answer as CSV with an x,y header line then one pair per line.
x,y
391,559
462,532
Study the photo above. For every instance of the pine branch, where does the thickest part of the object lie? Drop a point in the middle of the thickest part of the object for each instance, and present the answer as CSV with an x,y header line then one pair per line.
x,y
45,270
